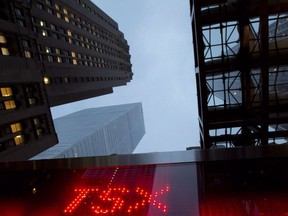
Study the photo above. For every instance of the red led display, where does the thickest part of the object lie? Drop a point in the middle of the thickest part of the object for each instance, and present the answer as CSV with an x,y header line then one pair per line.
x,y
118,200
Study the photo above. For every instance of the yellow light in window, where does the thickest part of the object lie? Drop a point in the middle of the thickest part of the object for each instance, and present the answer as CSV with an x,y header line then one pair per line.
x,y
73,54
66,19
57,6
59,59
16,127
2,39
5,51
46,80
27,54
41,23
74,61
32,101
58,15
44,33
6,92
10,104
69,33
19,139
65,11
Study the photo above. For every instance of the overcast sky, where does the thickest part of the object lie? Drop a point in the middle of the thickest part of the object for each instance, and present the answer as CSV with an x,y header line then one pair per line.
x,y
160,39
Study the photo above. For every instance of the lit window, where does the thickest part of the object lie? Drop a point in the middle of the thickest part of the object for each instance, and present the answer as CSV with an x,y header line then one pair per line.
x,y
27,54
73,54
32,101
65,11
66,19
42,23
36,121
69,33
70,40
6,92
16,127
2,39
59,59
58,15
57,51
44,33
57,7
74,61
46,80
5,51
66,80
39,132
19,139
48,50
10,104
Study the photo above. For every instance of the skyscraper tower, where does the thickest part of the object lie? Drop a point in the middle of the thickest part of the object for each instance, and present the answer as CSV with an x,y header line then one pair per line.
x,y
240,50
53,52
97,131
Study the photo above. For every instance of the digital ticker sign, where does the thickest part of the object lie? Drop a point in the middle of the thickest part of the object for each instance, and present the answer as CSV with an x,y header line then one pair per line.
x,y
134,190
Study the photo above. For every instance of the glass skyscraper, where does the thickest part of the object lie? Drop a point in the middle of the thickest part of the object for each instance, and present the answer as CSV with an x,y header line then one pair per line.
x,y
97,131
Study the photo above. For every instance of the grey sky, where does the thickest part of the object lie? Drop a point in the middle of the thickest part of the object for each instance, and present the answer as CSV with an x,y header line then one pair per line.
x,y
160,40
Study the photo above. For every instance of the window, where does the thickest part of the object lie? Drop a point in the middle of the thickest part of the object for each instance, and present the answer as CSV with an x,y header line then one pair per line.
x,y
58,15
18,12
39,6
50,58
25,43
74,61
32,101
57,7
9,104
2,39
57,51
53,27
48,49
69,33
50,11
48,2
42,23
27,54
66,19
6,92
4,51
44,33
46,80
21,23
65,11
73,54
59,59
36,121
16,127
19,139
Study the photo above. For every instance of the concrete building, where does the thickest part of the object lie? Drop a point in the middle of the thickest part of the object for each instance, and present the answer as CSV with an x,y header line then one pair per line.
x,y
53,52
97,131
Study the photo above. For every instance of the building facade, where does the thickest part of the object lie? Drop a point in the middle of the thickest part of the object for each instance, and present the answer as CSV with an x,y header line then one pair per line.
x,y
97,131
240,50
53,52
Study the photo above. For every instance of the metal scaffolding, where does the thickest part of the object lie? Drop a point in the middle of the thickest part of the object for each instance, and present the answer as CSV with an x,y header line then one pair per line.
x,y
241,51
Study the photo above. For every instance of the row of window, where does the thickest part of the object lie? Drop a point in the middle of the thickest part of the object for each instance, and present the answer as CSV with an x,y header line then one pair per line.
x,y
3,45
67,16
18,128
70,57
58,7
59,80
73,38
31,97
